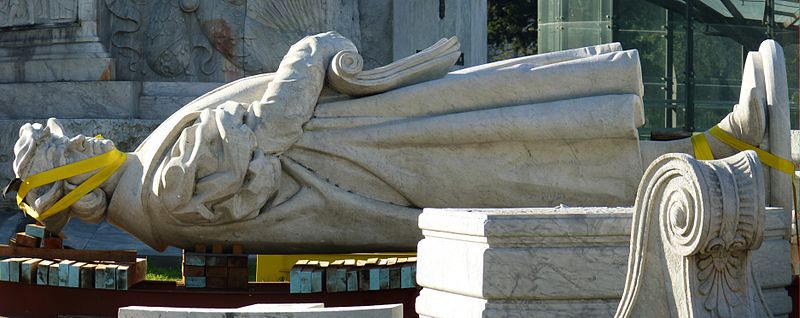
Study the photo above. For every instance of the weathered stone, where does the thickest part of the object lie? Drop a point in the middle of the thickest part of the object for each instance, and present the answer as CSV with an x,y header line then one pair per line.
x,y
417,23
161,99
694,227
379,158
56,70
270,310
552,262
217,41
24,13
50,41
69,100
376,27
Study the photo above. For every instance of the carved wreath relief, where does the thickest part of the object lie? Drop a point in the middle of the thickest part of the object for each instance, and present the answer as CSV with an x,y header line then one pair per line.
x,y
15,13
211,40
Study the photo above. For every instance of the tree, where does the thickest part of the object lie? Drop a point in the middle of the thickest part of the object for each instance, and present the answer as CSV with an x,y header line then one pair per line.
x,y
511,28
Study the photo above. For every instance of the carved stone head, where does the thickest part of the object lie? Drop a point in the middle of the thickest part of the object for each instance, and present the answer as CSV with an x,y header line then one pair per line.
x,y
41,148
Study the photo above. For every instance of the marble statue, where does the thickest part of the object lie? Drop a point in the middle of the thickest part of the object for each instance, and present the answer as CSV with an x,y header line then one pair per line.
x,y
699,242
324,156
695,227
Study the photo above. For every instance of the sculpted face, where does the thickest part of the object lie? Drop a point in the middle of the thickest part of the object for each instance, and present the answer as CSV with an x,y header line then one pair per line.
x,y
41,148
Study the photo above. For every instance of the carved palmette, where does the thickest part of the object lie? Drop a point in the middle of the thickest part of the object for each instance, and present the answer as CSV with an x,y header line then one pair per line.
x,y
710,216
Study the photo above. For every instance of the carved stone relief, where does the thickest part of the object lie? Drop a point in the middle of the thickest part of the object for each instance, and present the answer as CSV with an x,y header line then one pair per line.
x,y
694,228
16,13
62,11
209,40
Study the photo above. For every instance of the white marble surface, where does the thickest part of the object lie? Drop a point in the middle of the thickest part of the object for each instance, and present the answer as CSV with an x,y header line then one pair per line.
x,y
779,139
551,260
417,23
312,164
57,70
311,310
434,303
68,100
695,226
50,41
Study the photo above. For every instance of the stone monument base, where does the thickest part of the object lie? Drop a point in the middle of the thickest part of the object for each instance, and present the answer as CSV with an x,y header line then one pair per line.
x,y
300,310
551,262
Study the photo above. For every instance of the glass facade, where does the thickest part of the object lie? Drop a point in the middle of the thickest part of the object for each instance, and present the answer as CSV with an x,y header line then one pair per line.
x,y
692,51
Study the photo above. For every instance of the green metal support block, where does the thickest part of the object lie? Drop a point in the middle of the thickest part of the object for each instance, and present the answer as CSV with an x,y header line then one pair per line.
x,y
52,275
4,270
35,230
74,279
42,272
63,273
195,282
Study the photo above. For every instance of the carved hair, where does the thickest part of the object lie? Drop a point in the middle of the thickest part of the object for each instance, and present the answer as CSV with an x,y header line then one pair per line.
x,y
40,149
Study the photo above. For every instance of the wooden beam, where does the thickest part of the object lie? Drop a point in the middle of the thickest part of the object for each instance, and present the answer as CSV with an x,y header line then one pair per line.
x,y
25,240
126,256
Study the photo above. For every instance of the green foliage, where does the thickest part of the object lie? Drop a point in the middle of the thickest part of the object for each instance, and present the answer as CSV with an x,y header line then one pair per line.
x,y
174,274
511,28
164,274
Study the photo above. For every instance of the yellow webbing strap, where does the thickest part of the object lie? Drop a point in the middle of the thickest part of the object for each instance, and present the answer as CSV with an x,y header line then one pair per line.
x,y
701,149
767,158
107,163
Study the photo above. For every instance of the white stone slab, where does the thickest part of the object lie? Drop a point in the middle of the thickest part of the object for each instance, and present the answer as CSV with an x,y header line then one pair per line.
x,y
100,99
267,307
266,311
434,303
55,70
554,255
161,99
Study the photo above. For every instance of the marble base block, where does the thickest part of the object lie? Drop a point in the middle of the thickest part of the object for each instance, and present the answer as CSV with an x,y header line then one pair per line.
x,y
57,70
312,310
550,262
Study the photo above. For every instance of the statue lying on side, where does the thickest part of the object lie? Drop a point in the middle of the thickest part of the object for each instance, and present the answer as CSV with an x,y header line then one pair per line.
x,y
308,169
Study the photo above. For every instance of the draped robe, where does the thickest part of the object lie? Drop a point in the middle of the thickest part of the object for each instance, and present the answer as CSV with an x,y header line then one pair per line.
x,y
544,130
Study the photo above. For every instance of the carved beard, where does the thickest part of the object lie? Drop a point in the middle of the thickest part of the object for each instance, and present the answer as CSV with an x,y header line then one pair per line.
x,y
40,149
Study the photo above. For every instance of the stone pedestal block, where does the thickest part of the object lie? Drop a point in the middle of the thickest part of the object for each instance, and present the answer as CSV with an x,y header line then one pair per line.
x,y
69,100
50,41
312,310
56,70
550,262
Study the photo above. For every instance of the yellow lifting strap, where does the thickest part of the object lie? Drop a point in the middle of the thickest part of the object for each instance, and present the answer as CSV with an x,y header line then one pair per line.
x,y
107,163
703,152
777,163
701,149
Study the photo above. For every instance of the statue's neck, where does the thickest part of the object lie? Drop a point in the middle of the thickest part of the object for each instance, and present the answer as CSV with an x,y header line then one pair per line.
x,y
110,185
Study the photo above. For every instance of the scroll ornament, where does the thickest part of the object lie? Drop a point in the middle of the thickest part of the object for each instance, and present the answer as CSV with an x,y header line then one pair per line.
x,y
695,226
346,74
